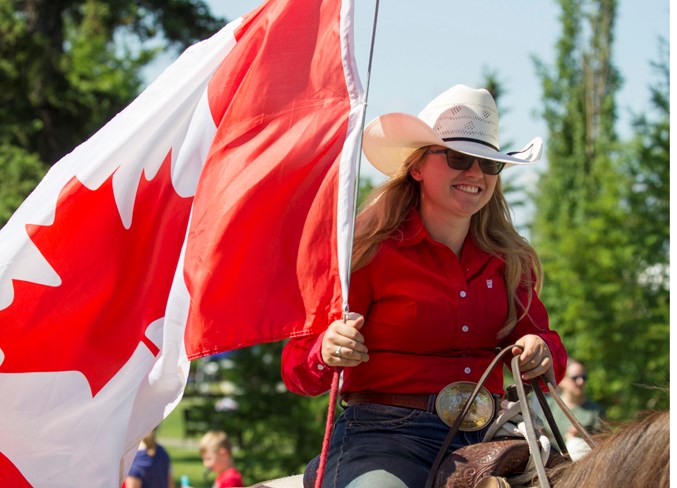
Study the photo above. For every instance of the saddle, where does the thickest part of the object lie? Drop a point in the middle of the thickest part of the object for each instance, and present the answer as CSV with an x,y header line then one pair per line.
x,y
515,452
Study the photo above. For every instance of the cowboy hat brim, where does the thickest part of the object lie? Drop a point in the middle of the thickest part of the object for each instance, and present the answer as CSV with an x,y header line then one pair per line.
x,y
390,139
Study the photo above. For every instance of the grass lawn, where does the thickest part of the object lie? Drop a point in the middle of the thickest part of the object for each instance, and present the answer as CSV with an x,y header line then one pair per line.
x,y
172,426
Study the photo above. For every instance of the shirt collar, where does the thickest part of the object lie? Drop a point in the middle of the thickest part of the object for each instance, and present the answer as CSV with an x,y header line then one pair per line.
x,y
412,232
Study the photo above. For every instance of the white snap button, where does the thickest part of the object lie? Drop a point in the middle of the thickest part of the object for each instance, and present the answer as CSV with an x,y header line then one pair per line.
x,y
465,328
463,294
467,370
320,367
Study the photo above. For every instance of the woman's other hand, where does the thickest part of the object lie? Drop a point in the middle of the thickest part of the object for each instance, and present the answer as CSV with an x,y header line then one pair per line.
x,y
343,344
535,359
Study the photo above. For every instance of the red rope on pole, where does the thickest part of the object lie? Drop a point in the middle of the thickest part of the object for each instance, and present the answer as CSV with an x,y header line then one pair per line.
x,y
329,428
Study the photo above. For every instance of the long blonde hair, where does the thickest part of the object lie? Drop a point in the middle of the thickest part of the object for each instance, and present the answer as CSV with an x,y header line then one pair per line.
x,y
389,204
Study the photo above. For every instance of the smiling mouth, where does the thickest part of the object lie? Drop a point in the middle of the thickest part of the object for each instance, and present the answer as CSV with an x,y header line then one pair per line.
x,y
467,188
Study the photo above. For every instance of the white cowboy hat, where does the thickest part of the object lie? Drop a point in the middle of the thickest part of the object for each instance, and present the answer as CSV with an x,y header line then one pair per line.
x,y
463,119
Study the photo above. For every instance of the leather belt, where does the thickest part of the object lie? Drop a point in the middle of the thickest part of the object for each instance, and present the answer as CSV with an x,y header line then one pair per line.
x,y
447,404
418,401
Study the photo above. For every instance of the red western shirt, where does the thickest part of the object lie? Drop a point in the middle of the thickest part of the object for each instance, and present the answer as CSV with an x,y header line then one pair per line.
x,y
430,320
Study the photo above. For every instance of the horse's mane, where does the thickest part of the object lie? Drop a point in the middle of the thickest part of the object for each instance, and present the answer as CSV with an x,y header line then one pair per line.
x,y
638,454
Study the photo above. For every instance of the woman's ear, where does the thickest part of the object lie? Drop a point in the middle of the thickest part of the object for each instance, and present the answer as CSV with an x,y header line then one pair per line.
x,y
415,172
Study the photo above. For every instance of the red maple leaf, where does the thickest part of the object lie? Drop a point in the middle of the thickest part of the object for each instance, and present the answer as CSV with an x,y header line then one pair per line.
x,y
114,281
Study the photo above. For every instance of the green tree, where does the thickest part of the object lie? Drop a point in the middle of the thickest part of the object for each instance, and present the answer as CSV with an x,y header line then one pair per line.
x,y
581,227
646,161
20,172
276,432
74,65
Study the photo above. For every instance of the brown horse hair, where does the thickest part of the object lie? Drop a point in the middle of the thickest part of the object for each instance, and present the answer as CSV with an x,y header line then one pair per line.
x,y
638,455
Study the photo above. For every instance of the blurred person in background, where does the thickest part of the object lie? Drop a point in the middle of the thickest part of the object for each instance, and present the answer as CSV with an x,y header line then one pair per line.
x,y
589,413
151,467
217,456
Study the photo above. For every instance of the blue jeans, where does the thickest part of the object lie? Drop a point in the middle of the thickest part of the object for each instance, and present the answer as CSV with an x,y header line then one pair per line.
x,y
381,446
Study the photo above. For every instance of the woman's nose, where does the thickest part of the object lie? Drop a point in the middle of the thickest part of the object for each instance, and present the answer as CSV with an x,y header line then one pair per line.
x,y
474,169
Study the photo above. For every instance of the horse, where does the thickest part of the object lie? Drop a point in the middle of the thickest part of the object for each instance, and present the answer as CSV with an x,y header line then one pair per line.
x,y
636,455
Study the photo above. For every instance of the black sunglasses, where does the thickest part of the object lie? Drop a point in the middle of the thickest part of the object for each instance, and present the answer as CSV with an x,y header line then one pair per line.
x,y
463,162
583,377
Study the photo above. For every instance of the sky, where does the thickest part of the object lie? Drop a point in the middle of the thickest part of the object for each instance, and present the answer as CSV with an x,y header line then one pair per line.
x,y
421,51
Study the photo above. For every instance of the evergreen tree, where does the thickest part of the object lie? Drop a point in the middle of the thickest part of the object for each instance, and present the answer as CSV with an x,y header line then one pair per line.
x,y
646,162
581,228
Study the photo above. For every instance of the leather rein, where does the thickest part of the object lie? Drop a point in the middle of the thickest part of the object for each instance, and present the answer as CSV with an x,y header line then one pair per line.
x,y
526,413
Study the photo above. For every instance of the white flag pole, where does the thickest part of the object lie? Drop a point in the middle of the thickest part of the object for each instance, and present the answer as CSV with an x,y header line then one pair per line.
x,y
356,195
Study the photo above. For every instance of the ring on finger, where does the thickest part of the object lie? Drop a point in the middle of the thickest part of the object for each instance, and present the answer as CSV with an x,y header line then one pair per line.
x,y
337,353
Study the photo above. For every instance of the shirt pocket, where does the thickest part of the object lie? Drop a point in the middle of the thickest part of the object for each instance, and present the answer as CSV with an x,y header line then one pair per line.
x,y
495,297
390,323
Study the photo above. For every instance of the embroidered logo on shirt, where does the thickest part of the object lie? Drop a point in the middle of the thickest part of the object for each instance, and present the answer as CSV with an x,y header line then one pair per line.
x,y
490,283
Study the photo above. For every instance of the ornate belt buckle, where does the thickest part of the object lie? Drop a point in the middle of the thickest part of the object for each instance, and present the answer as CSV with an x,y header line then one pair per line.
x,y
451,399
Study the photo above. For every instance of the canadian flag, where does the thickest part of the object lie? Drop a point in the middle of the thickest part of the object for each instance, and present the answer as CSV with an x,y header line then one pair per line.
x,y
213,212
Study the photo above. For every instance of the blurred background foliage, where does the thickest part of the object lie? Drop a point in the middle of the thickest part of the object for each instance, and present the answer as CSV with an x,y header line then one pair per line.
x,y
600,220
